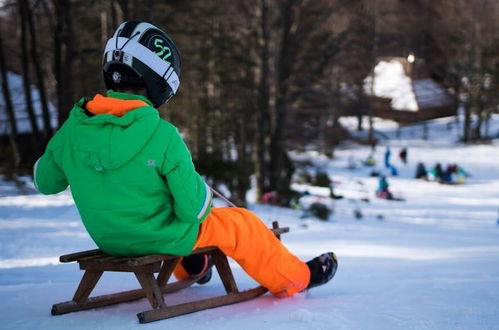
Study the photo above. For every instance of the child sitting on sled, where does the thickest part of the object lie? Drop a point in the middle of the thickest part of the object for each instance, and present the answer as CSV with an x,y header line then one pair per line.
x,y
134,182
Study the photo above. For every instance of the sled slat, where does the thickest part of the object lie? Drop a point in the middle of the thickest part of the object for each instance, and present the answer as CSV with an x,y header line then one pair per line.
x,y
150,287
223,268
75,256
191,307
118,267
87,284
166,272
278,231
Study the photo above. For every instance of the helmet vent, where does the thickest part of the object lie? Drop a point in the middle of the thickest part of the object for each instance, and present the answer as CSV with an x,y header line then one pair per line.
x,y
117,54
116,77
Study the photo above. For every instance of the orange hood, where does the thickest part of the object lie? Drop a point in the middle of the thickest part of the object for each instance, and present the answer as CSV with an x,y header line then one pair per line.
x,y
101,104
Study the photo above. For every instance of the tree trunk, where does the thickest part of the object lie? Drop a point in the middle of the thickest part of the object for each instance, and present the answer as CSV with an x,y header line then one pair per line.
x,y
279,171
359,122
467,120
121,12
63,58
26,75
38,71
147,9
57,40
67,61
263,117
10,110
480,113
242,173
331,129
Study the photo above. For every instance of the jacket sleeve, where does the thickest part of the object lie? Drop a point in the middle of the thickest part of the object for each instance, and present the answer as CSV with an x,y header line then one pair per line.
x,y
48,176
192,196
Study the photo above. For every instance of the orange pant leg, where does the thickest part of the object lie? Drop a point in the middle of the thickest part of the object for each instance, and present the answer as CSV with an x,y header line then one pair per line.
x,y
241,235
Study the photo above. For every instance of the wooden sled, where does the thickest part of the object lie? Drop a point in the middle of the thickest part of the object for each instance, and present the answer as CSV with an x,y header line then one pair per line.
x,y
96,262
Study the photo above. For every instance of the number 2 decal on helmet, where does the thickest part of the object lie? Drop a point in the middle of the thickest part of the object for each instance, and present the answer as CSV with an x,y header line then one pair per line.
x,y
164,52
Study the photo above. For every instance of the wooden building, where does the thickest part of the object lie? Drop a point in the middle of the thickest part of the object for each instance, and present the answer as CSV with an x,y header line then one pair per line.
x,y
405,92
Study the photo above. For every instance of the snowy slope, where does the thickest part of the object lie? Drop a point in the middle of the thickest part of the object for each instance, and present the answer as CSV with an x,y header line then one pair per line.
x,y
431,262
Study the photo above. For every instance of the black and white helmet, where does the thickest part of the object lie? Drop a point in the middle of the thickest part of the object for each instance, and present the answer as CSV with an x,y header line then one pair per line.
x,y
140,54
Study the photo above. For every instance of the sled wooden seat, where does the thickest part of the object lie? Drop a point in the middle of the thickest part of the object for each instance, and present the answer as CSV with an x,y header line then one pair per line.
x,y
95,263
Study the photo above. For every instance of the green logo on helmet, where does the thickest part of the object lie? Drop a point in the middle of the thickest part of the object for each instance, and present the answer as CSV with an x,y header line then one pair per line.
x,y
163,51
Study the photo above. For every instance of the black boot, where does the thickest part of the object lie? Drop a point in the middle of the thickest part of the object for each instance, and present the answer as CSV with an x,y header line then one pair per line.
x,y
322,269
197,264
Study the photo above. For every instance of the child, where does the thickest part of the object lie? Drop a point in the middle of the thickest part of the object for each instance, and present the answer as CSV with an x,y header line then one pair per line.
x,y
421,171
387,157
403,155
382,190
133,180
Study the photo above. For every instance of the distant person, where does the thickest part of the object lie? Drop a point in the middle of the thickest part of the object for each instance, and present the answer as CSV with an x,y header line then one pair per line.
x,y
403,155
370,160
461,175
382,190
387,157
436,173
271,197
439,173
456,174
449,174
393,170
421,172
332,193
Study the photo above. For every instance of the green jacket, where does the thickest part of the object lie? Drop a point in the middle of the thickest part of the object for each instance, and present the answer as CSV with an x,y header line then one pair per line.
x,y
132,179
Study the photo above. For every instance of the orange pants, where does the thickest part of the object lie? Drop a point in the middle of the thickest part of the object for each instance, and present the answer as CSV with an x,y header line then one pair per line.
x,y
241,235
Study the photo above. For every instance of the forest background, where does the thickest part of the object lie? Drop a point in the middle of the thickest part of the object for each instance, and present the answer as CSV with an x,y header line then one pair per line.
x,y
259,77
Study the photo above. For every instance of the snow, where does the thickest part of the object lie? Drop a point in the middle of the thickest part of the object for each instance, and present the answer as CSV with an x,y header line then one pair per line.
x,y
429,262
393,82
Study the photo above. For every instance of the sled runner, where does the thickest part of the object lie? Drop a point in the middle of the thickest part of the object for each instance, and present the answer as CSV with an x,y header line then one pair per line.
x,y
96,262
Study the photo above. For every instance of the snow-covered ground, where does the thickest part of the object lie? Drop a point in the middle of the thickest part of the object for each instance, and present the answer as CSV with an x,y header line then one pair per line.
x,y
429,262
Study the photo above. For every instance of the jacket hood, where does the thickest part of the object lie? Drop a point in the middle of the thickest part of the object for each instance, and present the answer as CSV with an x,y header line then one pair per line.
x,y
106,141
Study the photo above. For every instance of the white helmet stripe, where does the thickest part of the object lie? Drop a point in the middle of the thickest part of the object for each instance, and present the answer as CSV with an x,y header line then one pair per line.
x,y
131,47
173,81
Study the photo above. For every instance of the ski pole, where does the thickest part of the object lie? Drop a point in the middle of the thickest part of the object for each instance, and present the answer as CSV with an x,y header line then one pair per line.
x,y
222,197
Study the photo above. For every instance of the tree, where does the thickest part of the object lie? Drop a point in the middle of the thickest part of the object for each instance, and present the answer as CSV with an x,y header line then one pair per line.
x,y
9,108
40,76
262,118
63,40
467,33
26,73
